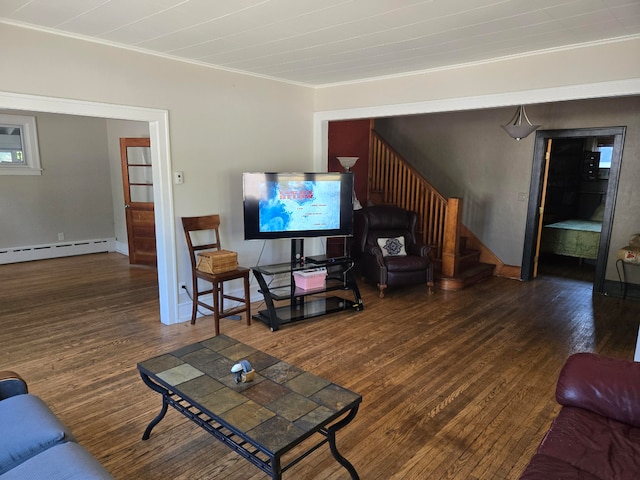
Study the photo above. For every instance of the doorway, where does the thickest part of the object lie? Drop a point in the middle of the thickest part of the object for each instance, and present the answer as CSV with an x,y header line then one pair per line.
x,y
569,187
158,121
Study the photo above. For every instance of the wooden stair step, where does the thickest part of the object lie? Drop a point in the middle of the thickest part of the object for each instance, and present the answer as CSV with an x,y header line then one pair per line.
x,y
468,259
466,277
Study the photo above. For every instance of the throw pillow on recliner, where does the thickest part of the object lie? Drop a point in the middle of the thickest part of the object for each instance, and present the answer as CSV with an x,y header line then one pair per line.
x,y
392,247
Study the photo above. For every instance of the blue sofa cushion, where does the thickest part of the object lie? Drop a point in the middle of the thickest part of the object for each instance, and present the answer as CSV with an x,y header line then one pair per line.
x,y
66,461
27,427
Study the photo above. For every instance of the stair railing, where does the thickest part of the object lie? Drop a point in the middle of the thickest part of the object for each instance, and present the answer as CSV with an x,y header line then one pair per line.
x,y
393,181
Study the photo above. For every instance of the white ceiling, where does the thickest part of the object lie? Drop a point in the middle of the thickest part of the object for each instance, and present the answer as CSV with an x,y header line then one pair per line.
x,y
321,42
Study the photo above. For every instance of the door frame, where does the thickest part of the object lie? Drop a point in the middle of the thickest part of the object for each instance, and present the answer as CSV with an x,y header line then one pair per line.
x,y
535,193
162,179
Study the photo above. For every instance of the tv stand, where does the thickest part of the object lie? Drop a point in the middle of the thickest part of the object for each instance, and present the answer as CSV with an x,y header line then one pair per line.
x,y
304,304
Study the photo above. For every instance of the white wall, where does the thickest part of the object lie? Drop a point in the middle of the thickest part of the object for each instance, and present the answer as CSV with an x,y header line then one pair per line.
x,y
223,123
545,71
220,123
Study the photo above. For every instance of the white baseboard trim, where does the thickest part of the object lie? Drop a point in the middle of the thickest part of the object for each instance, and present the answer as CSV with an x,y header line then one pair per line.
x,y
55,250
122,247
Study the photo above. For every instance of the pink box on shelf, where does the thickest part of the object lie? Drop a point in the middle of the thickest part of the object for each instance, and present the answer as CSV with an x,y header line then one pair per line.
x,y
310,279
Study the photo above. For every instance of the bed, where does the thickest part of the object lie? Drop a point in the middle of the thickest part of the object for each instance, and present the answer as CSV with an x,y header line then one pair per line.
x,y
573,238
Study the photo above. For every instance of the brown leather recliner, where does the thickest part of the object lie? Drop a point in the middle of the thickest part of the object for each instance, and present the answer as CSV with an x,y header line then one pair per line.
x,y
386,250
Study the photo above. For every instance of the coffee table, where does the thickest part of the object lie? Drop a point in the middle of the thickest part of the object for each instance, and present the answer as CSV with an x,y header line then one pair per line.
x,y
261,420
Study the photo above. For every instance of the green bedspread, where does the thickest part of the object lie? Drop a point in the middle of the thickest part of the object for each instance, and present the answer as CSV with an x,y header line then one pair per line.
x,y
574,238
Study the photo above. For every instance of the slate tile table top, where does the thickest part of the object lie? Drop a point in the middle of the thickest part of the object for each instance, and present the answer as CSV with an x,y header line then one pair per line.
x,y
262,419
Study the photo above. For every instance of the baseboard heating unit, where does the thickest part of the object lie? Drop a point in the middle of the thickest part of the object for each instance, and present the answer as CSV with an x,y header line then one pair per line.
x,y
56,250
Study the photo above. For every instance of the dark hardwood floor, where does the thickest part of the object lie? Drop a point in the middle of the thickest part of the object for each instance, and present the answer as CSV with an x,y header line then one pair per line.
x,y
567,267
456,385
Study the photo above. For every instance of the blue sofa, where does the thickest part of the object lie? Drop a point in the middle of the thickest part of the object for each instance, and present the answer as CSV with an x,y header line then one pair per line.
x,y
34,443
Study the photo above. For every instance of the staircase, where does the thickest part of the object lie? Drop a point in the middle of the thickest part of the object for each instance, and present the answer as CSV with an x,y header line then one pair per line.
x,y
470,269
460,259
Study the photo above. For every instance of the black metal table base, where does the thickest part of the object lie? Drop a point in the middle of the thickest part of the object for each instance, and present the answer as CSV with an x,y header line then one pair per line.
x,y
304,304
264,460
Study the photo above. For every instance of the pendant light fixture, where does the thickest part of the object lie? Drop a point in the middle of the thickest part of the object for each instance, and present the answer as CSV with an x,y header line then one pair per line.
x,y
516,128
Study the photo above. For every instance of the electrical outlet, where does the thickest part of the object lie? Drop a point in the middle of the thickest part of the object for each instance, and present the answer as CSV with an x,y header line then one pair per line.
x,y
60,236
181,286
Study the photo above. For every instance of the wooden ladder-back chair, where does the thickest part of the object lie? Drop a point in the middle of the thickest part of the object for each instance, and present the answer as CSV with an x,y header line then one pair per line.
x,y
208,227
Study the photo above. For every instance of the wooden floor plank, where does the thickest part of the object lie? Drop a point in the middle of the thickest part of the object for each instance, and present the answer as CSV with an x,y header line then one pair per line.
x,y
456,385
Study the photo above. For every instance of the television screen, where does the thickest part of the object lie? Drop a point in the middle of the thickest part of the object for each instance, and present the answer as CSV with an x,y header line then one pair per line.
x,y
297,205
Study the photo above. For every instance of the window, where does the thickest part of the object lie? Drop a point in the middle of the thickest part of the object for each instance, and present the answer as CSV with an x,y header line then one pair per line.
x,y
605,156
604,145
19,146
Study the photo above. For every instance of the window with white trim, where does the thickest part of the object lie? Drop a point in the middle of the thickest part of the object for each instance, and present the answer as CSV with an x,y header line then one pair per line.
x,y
19,145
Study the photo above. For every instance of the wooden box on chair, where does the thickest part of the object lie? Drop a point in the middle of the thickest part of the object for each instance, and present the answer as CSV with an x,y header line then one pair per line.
x,y
218,261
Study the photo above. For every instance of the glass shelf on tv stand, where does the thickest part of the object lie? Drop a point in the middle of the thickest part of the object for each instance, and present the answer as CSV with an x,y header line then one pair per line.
x,y
299,307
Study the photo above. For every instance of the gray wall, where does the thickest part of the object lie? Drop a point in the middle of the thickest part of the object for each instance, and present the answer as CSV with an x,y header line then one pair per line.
x,y
73,194
80,190
467,154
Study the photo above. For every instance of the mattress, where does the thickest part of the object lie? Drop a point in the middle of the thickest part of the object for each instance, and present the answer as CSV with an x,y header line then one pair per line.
x,y
574,238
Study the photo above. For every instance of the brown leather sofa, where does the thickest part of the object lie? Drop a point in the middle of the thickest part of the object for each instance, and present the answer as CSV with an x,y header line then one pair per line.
x,y
386,250
596,435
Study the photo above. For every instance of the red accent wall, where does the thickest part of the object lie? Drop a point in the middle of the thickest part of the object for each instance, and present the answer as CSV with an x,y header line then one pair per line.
x,y
350,138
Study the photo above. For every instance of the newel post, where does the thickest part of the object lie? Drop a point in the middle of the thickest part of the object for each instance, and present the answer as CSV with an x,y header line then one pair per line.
x,y
450,248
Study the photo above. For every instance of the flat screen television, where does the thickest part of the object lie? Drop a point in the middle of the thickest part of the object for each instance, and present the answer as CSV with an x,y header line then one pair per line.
x,y
297,205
